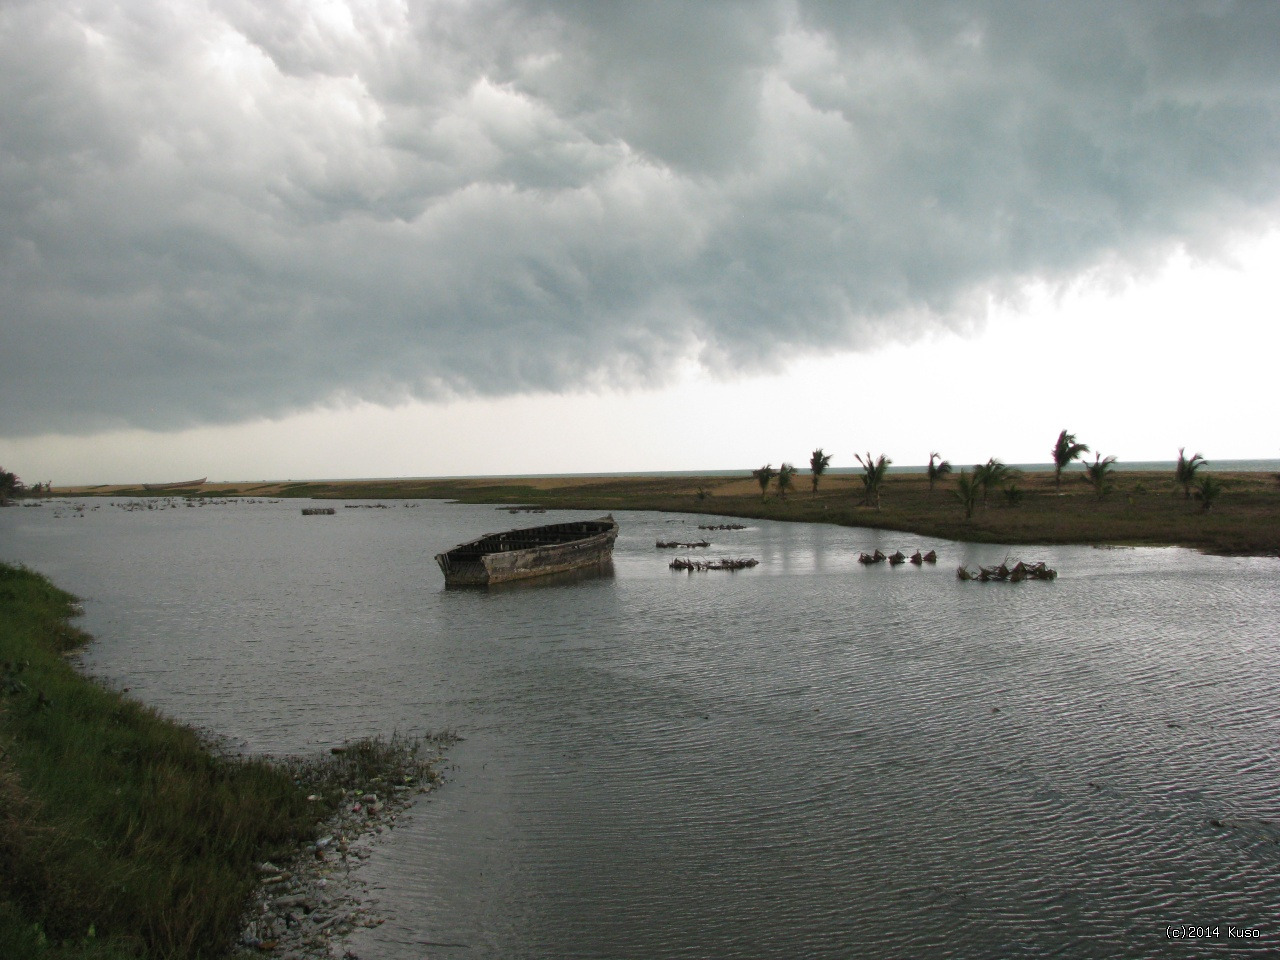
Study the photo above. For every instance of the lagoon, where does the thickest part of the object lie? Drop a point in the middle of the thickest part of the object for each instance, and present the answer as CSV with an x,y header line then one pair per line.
x,y
809,758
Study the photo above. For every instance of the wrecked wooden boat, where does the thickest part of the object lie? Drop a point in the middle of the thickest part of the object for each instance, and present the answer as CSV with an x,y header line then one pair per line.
x,y
531,552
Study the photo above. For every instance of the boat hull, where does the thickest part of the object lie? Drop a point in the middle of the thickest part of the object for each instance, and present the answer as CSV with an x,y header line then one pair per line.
x,y
557,548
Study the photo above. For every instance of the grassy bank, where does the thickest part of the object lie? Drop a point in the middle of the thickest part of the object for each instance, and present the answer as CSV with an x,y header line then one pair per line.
x,y
1142,508
122,835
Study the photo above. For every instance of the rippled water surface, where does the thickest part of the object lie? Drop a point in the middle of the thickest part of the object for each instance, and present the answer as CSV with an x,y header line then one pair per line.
x,y
806,759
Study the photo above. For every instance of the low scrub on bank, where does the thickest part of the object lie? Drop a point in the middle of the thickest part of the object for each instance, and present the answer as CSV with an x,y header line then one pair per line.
x,y
1132,507
122,835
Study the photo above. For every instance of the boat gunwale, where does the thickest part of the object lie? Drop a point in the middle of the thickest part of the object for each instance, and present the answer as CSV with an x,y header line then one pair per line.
x,y
464,565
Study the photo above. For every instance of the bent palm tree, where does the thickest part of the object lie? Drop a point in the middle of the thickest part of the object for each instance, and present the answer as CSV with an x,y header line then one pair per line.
x,y
1185,472
1064,451
937,471
763,476
1097,474
785,473
818,463
991,474
873,472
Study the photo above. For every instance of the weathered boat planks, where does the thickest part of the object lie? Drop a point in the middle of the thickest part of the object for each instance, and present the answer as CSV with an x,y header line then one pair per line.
x,y
530,552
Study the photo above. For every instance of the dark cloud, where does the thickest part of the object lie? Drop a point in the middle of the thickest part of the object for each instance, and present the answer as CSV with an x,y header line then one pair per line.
x,y
213,211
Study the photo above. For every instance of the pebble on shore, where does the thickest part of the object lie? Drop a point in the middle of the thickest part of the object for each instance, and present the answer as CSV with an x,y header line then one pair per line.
x,y
303,907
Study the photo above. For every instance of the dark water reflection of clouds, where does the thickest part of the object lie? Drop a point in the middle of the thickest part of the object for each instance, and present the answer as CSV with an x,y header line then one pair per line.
x,y
809,758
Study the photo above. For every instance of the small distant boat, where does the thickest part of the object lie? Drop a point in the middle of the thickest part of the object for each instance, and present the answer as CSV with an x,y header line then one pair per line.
x,y
174,486
531,552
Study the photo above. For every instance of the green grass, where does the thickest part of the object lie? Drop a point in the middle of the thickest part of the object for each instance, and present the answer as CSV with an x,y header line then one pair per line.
x,y
121,833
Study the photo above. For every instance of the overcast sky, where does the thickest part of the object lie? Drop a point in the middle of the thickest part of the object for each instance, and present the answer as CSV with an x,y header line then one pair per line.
x,y
315,238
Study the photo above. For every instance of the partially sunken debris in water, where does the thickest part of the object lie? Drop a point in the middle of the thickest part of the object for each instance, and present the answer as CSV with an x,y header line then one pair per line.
x,y
531,552
725,563
1017,573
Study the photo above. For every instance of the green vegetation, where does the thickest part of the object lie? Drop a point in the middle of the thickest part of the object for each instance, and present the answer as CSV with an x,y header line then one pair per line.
x,y
1185,472
1208,489
873,474
1098,475
818,463
991,474
786,473
936,471
1064,451
10,486
122,834
763,476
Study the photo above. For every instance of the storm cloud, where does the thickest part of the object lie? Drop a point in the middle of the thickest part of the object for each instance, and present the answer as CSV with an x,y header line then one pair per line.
x,y
213,211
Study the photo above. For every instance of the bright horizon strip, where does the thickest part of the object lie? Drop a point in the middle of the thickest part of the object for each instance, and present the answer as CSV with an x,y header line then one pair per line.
x,y
1182,358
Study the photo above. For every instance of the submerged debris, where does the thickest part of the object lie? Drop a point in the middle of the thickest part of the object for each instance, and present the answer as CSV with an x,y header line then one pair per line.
x,y
898,557
318,511
721,526
724,563
1016,574
675,544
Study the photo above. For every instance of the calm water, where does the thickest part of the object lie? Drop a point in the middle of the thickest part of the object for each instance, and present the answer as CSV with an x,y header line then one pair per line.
x,y
807,759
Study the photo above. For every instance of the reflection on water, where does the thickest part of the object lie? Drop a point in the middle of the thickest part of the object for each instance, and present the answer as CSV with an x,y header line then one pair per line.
x,y
810,758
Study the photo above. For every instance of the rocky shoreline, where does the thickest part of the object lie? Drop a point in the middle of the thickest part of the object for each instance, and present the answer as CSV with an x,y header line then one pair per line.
x,y
305,906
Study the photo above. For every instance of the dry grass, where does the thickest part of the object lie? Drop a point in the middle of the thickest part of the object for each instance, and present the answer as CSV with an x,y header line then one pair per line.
x,y
1143,508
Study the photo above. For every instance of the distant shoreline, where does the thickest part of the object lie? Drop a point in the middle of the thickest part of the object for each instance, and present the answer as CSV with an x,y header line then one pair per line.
x,y
1121,466
1143,508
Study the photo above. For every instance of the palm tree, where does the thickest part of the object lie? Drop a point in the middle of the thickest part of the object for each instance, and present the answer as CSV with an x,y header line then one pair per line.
x,y
785,473
1185,472
1207,490
763,476
818,463
938,471
873,476
967,493
1064,451
1096,474
991,474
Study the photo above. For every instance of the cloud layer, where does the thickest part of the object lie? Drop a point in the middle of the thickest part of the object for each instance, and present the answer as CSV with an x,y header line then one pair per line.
x,y
211,211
